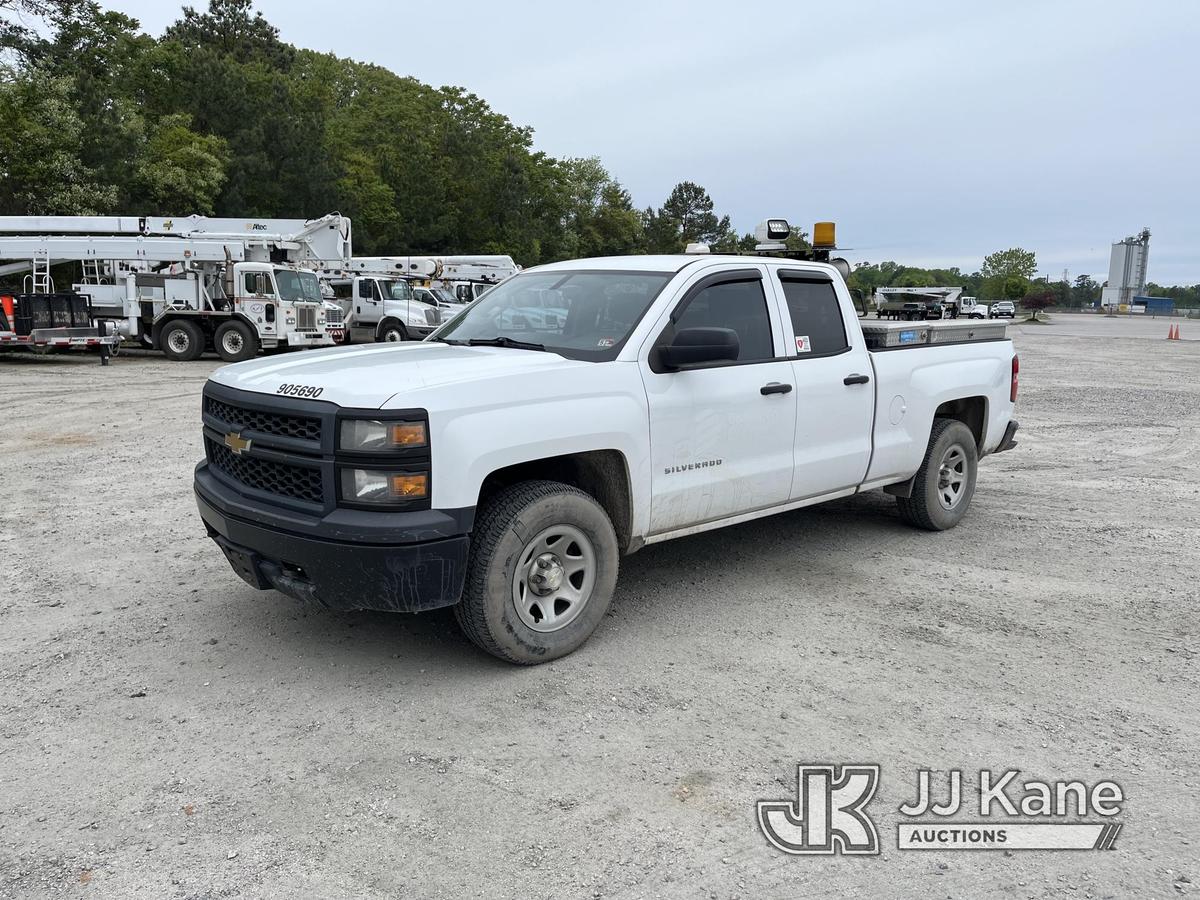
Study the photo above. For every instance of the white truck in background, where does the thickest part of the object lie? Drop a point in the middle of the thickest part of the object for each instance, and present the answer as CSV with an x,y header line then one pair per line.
x,y
504,465
189,284
399,298
468,277
380,307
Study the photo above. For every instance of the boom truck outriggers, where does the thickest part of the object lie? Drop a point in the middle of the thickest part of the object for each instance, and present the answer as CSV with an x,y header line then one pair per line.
x,y
183,285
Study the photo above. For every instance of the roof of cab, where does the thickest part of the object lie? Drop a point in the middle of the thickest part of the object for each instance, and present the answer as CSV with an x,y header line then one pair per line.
x,y
664,263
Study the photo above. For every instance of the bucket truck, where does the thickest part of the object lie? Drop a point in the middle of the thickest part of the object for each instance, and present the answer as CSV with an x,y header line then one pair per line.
x,y
186,285
396,298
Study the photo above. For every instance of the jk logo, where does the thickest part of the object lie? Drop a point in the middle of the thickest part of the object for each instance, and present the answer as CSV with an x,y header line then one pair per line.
x,y
827,815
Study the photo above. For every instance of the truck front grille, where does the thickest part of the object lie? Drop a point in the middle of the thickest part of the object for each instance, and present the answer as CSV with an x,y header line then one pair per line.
x,y
278,424
297,482
334,315
306,318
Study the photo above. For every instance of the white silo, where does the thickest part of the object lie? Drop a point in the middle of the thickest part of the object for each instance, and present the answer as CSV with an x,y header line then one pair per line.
x,y
1127,270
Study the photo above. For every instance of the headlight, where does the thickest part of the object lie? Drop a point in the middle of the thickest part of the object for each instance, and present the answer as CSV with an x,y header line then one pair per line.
x,y
382,487
375,436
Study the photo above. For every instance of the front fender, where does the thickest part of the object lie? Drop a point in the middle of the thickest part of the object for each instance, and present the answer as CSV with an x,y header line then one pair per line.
x,y
468,443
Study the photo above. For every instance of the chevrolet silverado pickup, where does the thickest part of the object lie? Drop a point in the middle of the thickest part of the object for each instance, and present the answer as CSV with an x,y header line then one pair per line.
x,y
577,412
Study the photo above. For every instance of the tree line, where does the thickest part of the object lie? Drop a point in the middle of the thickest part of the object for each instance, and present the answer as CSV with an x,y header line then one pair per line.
x,y
218,116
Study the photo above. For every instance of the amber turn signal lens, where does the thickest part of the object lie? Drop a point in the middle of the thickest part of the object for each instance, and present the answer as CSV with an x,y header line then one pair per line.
x,y
409,486
408,434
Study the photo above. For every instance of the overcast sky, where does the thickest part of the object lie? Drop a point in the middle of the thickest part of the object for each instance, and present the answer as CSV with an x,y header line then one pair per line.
x,y
931,132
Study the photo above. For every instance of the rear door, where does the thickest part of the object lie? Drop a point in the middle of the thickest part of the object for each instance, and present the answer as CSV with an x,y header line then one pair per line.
x,y
835,392
720,435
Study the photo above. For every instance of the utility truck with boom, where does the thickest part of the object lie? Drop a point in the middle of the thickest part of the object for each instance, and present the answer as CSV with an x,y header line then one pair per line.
x,y
398,298
186,285
503,465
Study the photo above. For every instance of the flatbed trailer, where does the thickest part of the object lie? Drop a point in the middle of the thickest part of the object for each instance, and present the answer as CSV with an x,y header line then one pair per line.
x,y
45,322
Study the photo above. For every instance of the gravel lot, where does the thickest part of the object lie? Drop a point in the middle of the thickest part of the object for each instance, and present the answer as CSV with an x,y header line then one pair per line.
x,y
166,731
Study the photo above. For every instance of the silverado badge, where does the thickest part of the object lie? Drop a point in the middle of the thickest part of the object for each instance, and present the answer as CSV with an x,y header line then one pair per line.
x,y
235,442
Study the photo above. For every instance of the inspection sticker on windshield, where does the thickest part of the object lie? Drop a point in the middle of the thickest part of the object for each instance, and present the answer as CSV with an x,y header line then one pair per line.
x,y
605,342
803,344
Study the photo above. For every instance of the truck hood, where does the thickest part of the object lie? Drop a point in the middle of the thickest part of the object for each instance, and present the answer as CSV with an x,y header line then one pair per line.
x,y
367,377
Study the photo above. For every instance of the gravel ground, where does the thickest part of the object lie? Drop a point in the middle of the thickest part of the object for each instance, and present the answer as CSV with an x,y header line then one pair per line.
x,y
166,731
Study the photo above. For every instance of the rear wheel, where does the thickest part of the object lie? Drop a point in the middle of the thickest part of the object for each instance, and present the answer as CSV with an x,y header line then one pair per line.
x,y
182,340
392,332
541,573
235,341
944,485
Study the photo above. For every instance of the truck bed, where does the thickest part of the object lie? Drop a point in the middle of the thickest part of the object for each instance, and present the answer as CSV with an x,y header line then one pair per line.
x,y
891,335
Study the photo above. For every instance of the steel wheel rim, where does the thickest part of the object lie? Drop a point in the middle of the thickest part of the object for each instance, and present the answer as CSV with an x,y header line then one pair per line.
x,y
952,476
392,335
233,342
179,340
553,581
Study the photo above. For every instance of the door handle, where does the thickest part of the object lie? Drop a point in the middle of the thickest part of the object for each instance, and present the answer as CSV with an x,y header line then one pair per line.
x,y
775,388
856,379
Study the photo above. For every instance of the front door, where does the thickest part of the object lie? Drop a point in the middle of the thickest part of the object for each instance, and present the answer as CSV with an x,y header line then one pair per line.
x,y
721,435
368,302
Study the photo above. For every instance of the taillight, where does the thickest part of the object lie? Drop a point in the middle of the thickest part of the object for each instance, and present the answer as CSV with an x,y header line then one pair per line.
x,y
1012,390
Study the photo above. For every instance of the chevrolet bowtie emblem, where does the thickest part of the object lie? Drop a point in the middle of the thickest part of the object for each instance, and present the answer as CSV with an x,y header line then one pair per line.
x,y
236,442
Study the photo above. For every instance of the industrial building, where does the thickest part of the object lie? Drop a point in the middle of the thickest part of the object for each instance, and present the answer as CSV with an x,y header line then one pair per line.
x,y
1127,271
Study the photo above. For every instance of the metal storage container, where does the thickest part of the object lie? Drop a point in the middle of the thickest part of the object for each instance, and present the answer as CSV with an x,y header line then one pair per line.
x,y
898,335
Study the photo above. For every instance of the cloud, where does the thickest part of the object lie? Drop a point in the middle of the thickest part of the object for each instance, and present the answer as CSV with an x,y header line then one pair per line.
x,y
932,132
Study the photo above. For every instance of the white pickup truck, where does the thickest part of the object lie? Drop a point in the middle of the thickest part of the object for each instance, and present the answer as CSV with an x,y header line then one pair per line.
x,y
578,412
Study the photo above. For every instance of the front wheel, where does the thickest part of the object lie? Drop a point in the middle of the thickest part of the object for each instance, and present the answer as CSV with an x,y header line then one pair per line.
x,y
945,483
392,332
235,341
541,573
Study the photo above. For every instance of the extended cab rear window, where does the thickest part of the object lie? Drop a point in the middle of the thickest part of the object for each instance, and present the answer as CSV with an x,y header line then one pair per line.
x,y
816,315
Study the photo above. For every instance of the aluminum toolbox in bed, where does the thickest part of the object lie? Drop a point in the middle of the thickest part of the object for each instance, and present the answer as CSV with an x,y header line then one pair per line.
x,y
898,335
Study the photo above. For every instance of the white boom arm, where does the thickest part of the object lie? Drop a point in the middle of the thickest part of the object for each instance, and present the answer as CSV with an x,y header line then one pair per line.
x,y
323,241
450,268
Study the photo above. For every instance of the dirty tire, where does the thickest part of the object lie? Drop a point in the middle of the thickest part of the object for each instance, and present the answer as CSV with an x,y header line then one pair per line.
x,y
504,530
235,341
925,508
392,332
181,340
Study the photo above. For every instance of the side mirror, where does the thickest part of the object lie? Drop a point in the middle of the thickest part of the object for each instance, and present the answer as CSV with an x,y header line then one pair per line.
x,y
694,346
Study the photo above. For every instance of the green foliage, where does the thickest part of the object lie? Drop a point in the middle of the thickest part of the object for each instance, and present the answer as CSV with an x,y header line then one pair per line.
x,y
1009,263
1185,296
1084,292
41,147
180,171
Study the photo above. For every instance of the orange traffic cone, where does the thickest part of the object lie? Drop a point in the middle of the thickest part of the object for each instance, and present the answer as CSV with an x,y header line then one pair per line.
x,y
1171,333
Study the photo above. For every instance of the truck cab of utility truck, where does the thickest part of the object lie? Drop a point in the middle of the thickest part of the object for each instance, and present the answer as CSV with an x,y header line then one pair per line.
x,y
383,308
580,411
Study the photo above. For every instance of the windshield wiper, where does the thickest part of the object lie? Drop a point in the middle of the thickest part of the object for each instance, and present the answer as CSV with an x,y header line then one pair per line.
x,y
504,342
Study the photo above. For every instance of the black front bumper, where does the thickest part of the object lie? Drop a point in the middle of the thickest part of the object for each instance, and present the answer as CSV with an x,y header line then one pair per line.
x,y
397,576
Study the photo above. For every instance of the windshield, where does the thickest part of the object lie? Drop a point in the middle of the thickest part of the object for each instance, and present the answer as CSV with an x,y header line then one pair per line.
x,y
396,290
580,315
444,295
297,285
